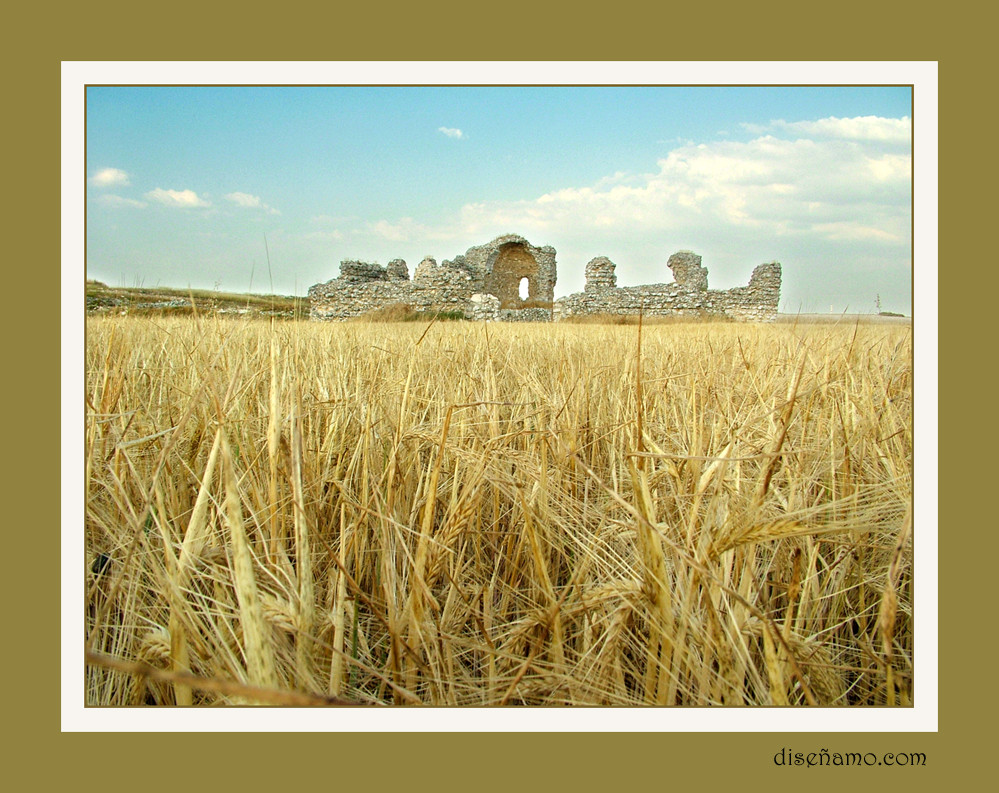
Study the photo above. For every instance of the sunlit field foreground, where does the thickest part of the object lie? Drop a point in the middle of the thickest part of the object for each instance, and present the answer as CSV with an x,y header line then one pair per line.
x,y
517,514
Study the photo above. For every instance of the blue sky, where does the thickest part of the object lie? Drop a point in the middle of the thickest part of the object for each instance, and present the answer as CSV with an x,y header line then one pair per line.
x,y
184,183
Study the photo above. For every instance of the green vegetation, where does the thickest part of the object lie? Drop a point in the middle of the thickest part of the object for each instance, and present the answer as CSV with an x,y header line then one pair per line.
x,y
162,301
634,319
402,312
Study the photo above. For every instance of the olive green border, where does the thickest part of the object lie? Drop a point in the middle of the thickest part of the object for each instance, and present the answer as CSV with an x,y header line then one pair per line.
x,y
40,38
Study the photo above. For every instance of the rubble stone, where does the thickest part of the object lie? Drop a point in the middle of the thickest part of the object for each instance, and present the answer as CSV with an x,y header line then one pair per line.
x,y
484,285
600,274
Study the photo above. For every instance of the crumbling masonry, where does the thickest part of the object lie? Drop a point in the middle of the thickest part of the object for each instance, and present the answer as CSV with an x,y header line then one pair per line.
x,y
485,283
687,296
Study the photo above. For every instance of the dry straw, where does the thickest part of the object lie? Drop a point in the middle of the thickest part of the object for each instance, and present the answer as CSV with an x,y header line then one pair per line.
x,y
466,514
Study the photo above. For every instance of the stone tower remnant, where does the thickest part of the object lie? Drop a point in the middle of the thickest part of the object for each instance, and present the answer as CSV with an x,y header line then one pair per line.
x,y
687,270
600,274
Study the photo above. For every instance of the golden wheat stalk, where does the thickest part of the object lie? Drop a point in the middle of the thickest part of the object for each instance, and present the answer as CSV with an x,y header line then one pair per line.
x,y
258,651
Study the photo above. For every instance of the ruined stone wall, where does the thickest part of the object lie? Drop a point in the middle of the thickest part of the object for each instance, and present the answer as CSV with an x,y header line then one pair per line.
x,y
484,284
757,302
494,269
365,286
687,296
484,308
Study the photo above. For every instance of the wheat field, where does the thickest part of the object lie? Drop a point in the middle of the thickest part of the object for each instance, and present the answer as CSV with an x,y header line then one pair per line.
x,y
468,514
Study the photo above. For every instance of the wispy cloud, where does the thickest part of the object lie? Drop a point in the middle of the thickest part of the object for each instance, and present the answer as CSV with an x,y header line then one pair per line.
x,y
184,199
110,177
451,132
409,230
332,235
402,231
769,184
852,231
244,199
250,202
860,128
116,201
329,220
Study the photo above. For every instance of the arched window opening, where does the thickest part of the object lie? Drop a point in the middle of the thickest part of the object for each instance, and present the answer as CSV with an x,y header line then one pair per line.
x,y
524,288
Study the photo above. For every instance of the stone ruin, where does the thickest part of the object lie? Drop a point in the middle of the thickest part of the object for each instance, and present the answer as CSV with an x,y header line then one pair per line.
x,y
687,296
485,283
482,283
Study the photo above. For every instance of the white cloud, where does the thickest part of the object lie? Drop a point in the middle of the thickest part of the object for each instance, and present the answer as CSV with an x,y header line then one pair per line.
x,y
177,198
451,132
861,128
333,235
116,201
409,230
891,167
402,231
244,199
110,177
855,231
329,220
251,202
769,185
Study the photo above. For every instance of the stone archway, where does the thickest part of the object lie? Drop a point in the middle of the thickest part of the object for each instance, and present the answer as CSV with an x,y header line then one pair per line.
x,y
513,263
